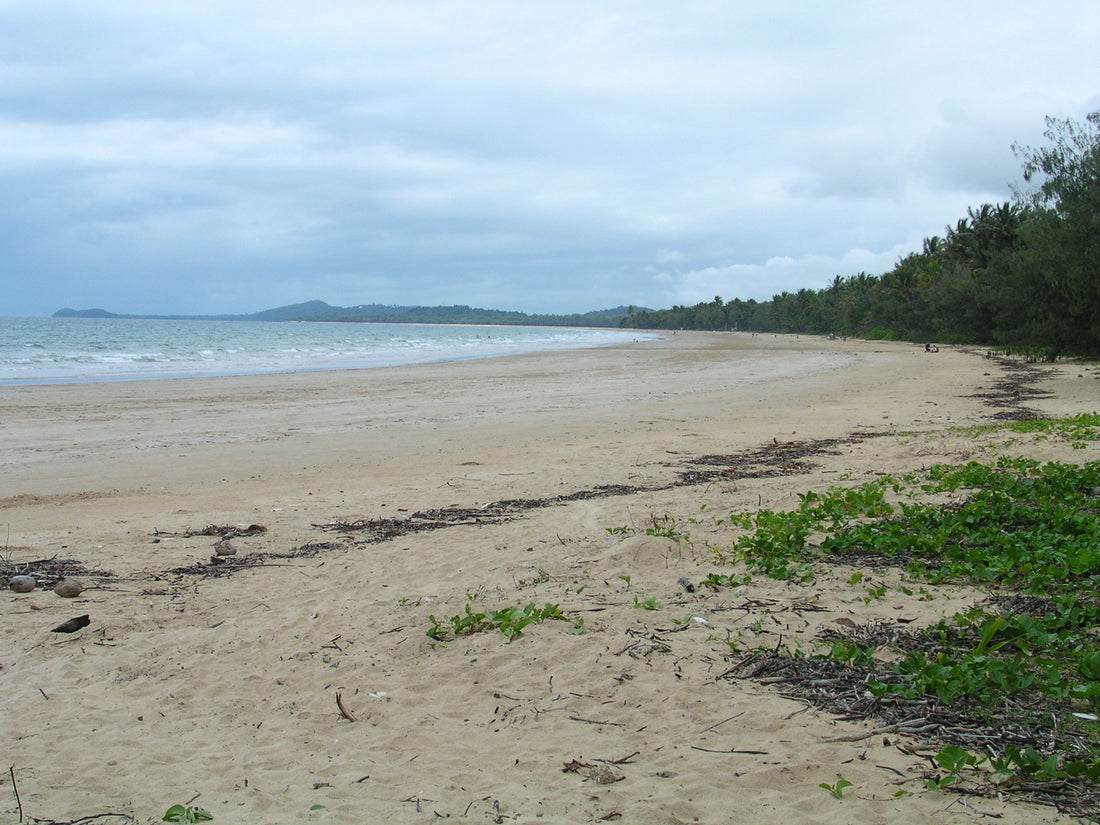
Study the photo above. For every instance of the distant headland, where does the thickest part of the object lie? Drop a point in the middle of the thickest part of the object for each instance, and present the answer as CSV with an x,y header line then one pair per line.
x,y
383,314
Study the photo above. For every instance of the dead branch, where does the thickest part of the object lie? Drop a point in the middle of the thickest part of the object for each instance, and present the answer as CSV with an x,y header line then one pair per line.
x,y
343,710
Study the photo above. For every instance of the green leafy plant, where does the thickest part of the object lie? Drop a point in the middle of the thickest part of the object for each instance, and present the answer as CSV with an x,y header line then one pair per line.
x,y
717,580
1078,429
837,788
844,650
510,621
540,578
1051,767
1021,525
185,813
460,624
1029,532
666,527
874,593
953,760
621,530
648,604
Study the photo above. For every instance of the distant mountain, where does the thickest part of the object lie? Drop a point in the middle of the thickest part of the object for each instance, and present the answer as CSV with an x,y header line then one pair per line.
x,y
379,313
102,313
83,313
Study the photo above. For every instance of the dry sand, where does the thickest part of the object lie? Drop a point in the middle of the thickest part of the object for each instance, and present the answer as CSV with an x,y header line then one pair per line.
x,y
220,691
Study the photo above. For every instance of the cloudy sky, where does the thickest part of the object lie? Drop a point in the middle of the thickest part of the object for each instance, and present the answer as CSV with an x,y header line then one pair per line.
x,y
185,156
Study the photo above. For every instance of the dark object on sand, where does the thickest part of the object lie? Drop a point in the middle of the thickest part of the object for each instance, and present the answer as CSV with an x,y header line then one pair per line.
x,y
73,625
687,585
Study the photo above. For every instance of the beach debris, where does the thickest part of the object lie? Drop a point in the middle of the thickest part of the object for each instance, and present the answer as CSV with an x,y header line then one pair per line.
x,y
229,531
224,531
598,773
686,584
1009,392
769,461
228,565
604,775
224,548
645,644
22,584
68,588
497,512
48,572
343,710
73,625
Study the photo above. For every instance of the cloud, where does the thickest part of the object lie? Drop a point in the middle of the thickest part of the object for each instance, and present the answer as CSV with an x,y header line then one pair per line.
x,y
210,157
774,276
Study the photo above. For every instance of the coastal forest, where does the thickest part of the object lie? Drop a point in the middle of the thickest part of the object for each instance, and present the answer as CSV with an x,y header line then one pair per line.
x,y
1022,276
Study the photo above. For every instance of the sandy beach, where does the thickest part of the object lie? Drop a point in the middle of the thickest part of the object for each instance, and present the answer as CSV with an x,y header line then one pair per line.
x,y
360,504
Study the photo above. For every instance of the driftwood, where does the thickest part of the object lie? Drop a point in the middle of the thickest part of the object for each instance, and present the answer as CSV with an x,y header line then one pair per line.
x,y
343,710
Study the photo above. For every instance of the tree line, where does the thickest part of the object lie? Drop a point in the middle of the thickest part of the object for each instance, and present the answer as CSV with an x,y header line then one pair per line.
x,y
1020,275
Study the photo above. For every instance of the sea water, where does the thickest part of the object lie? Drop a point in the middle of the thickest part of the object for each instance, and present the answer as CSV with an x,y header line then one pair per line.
x,y
53,350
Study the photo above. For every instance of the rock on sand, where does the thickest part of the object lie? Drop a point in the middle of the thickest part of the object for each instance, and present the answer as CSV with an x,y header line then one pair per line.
x,y
68,588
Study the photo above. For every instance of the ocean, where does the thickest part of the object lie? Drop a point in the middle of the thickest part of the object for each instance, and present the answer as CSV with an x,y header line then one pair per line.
x,y
61,350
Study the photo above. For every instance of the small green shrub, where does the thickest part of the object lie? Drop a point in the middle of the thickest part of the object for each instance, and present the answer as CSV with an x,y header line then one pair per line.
x,y
510,621
836,789
185,813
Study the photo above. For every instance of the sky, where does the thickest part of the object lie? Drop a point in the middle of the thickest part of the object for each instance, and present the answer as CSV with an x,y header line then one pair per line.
x,y
194,157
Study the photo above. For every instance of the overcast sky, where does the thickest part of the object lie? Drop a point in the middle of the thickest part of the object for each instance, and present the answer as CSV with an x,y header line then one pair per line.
x,y
184,156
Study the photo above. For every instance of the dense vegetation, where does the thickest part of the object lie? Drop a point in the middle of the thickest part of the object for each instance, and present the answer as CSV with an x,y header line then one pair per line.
x,y
1009,689
1022,274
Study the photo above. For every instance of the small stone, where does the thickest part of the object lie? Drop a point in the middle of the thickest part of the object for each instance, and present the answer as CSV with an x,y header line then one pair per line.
x,y
68,588
22,584
224,548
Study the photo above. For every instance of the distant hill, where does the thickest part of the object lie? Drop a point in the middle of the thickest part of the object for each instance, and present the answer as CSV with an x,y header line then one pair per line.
x,y
379,313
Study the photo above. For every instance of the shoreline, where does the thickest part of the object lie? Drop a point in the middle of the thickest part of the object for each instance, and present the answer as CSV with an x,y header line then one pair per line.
x,y
221,688
151,354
